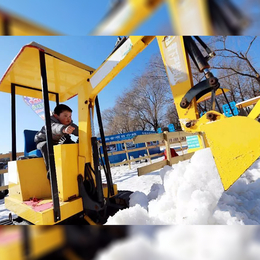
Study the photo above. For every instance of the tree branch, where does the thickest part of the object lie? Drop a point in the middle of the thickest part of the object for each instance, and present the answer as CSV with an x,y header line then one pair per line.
x,y
250,46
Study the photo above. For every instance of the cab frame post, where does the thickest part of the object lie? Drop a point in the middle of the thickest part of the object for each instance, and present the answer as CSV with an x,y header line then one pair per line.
x,y
50,152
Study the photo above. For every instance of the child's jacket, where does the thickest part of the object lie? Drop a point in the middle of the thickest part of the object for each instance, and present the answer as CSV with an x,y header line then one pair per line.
x,y
56,128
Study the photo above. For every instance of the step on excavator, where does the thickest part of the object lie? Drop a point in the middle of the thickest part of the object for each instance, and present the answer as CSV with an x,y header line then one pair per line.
x,y
76,192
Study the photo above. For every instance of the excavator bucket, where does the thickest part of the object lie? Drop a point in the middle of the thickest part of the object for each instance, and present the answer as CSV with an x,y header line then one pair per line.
x,y
235,145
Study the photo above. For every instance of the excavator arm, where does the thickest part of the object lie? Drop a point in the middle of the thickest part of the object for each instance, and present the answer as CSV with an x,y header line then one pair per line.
x,y
233,141
188,17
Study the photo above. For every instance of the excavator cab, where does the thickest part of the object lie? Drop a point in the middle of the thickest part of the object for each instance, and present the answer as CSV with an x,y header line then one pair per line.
x,y
75,189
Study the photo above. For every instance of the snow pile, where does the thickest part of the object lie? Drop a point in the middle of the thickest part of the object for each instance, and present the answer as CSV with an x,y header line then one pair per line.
x,y
191,193
189,243
241,203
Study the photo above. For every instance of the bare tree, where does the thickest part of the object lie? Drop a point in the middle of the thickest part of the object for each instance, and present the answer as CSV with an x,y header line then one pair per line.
x,y
143,107
236,60
148,100
236,67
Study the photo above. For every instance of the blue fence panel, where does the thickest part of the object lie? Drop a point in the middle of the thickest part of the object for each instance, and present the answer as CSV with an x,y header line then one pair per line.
x,y
130,145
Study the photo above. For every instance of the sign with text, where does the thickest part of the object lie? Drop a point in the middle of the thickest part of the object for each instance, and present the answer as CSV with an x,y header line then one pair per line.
x,y
193,141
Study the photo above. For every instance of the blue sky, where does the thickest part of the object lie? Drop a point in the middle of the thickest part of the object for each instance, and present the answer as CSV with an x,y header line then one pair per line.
x,y
78,17
90,50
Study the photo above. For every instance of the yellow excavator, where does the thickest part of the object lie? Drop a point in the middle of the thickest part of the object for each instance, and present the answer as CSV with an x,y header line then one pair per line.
x,y
188,17
75,191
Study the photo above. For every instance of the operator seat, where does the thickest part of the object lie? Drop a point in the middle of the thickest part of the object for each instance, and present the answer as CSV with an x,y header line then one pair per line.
x,y
30,149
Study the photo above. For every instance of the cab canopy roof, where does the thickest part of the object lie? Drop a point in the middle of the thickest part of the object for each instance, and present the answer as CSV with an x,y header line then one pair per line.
x,y
64,75
11,24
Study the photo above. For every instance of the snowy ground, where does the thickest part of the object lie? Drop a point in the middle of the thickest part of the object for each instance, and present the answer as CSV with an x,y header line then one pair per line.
x,y
189,192
186,242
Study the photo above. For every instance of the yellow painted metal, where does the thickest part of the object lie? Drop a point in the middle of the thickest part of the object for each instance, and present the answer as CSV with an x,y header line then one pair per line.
x,y
66,162
234,143
46,239
255,112
45,217
23,177
190,17
43,240
177,67
105,190
70,254
21,27
247,103
64,74
208,95
127,18
117,61
10,243
85,134
89,220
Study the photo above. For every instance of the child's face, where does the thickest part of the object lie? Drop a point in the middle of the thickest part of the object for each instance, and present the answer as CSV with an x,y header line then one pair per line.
x,y
64,117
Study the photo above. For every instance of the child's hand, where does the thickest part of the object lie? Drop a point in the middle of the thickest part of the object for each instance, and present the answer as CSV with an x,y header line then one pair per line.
x,y
68,130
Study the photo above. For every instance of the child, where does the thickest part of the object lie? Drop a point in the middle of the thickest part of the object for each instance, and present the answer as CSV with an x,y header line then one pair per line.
x,y
61,128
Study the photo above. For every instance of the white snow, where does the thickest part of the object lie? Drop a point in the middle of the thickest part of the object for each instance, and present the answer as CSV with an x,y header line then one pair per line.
x,y
187,242
186,193
189,192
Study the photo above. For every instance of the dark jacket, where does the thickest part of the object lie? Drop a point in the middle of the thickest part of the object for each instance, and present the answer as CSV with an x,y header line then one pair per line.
x,y
56,128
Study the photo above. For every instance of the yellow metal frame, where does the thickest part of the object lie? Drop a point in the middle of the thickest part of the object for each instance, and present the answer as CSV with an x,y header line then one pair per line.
x,y
247,103
131,14
23,175
208,95
22,188
42,240
64,74
67,209
189,17
234,143
255,112
178,66
22,27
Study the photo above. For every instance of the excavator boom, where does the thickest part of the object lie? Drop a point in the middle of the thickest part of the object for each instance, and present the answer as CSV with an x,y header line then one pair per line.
x,y
233,141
